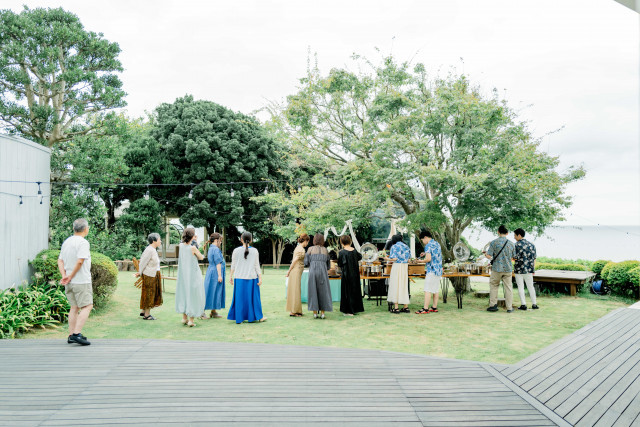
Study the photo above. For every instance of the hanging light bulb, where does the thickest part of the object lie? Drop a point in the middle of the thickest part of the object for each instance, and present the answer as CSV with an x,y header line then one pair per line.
x,y
231,192
39,190
20,199
299,189
266,190
146,195
191,194
41,199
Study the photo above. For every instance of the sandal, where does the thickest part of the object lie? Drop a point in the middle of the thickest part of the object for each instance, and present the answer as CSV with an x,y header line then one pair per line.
x,y
149,317
191,324
433,310
405,310
394,311
423,311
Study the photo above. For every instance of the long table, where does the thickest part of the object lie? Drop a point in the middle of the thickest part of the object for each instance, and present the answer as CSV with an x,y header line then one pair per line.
x,y
304,289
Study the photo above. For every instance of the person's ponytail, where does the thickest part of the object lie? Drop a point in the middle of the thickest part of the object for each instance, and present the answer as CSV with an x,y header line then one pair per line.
x,y
246,241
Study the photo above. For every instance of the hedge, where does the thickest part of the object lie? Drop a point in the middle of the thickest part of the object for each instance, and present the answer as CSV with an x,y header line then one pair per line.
x,y
597,266
568,267
618,276
104,274
634,276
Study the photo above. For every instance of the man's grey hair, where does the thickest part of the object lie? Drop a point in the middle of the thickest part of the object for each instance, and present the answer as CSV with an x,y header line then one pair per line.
x,y
153,237
79,225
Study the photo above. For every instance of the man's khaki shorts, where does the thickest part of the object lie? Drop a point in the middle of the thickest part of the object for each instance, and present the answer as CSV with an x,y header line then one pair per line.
x,y
79,294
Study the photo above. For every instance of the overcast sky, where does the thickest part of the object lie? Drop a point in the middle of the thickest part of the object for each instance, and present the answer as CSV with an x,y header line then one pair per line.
x,y
561,64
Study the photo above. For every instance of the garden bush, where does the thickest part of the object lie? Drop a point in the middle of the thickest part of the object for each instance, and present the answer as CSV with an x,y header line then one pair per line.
x,y
568,267
39,305
549,260
634,276
605,270
597,266
619,278
104,274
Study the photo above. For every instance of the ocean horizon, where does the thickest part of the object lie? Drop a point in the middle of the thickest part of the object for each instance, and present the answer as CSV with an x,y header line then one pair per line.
x,y
589,242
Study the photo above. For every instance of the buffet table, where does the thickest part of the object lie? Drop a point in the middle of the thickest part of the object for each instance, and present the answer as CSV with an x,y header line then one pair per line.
x,y
304,288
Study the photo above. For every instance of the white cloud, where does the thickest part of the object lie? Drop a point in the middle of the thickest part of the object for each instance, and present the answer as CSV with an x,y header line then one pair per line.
x,y
575,63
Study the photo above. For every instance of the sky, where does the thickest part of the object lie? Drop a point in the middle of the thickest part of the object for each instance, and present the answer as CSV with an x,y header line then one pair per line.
x,y
569,66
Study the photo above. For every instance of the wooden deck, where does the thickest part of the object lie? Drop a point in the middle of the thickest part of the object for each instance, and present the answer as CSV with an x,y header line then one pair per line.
x,y
591,377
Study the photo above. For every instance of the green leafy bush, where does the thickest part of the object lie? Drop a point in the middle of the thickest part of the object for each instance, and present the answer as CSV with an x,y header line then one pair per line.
x,y
605,270
619,278
597,266
567,267
549,260
104,274
38,305
634,276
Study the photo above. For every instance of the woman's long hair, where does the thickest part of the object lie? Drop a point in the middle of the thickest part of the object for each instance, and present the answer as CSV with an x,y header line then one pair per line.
x,y
246,239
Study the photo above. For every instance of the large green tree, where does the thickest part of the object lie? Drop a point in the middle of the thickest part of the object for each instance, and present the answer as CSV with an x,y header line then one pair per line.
x,y
219,157
439,148
54,73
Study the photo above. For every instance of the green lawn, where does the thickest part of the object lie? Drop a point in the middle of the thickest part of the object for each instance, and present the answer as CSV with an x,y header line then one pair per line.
x,y
470,333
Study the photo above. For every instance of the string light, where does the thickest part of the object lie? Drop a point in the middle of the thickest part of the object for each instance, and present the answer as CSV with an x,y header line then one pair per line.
x,y
231,192
20,199
191,194
39,190
41,199
266,190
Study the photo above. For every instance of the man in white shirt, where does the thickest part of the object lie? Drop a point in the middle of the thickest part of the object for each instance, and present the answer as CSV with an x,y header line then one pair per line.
x,y
74,264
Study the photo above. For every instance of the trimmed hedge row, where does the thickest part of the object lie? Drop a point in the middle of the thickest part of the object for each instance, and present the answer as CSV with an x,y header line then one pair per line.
x,y
104,273
568,267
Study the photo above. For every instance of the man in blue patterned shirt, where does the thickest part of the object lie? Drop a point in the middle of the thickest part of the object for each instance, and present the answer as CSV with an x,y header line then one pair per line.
x,y
524,267
501,251
433,268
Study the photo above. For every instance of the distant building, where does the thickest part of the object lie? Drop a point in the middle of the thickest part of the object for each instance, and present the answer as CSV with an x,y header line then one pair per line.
x,y
24,207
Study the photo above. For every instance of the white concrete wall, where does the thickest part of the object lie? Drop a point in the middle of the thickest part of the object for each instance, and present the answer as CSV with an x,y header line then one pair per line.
x,y
24,229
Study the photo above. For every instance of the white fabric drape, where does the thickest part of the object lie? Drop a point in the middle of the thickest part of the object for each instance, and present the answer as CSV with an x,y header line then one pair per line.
x,y
344,230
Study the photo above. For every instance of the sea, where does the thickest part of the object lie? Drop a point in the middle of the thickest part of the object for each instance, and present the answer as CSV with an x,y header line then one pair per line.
x,y
588,242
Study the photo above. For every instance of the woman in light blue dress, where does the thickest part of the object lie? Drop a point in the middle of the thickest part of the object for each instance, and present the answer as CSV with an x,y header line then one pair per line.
x,y
189,284
214,279
246,279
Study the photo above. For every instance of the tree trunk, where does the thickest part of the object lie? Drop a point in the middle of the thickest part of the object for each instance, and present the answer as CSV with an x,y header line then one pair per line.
x,y
281,246
273,250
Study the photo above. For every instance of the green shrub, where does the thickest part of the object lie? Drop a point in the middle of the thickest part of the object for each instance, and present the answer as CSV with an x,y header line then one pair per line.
x,y
605,270
549,260
597,266
38,305
618,277
104,274
567,267
634,276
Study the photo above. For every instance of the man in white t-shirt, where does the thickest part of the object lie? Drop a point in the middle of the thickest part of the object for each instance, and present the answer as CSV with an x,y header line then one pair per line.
x,y
74,264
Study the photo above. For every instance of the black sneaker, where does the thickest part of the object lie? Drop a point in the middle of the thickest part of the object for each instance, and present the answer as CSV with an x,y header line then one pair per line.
x,y
534,307
493,308
522,307
78,339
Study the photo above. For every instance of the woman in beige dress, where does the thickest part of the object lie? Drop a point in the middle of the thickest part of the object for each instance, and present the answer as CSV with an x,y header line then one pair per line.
x,y
294,304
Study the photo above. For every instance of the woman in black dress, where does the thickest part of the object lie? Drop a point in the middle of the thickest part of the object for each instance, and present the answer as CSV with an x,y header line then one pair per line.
x,y
350,296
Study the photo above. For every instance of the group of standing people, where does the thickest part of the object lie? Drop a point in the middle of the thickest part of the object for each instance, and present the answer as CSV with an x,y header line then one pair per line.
x,y
502,252
317,259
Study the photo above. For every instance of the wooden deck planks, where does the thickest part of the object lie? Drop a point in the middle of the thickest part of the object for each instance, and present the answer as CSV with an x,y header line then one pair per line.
x,y
123,382
591,377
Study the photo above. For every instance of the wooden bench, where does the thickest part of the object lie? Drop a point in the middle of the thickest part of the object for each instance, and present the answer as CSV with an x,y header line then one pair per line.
x,y
564,277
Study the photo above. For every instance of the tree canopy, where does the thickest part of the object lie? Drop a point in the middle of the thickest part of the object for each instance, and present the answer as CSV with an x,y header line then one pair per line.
x,y
225,155
448,155
53,73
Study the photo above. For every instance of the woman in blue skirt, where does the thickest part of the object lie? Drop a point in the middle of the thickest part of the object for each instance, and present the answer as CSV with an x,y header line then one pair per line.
x,y
214,279
246,280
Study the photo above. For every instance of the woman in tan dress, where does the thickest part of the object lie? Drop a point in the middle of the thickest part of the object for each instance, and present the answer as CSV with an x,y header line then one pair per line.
x,y
294,304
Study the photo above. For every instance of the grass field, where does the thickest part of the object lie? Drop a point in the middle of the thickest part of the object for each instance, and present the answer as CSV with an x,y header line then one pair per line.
x,y
470,333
